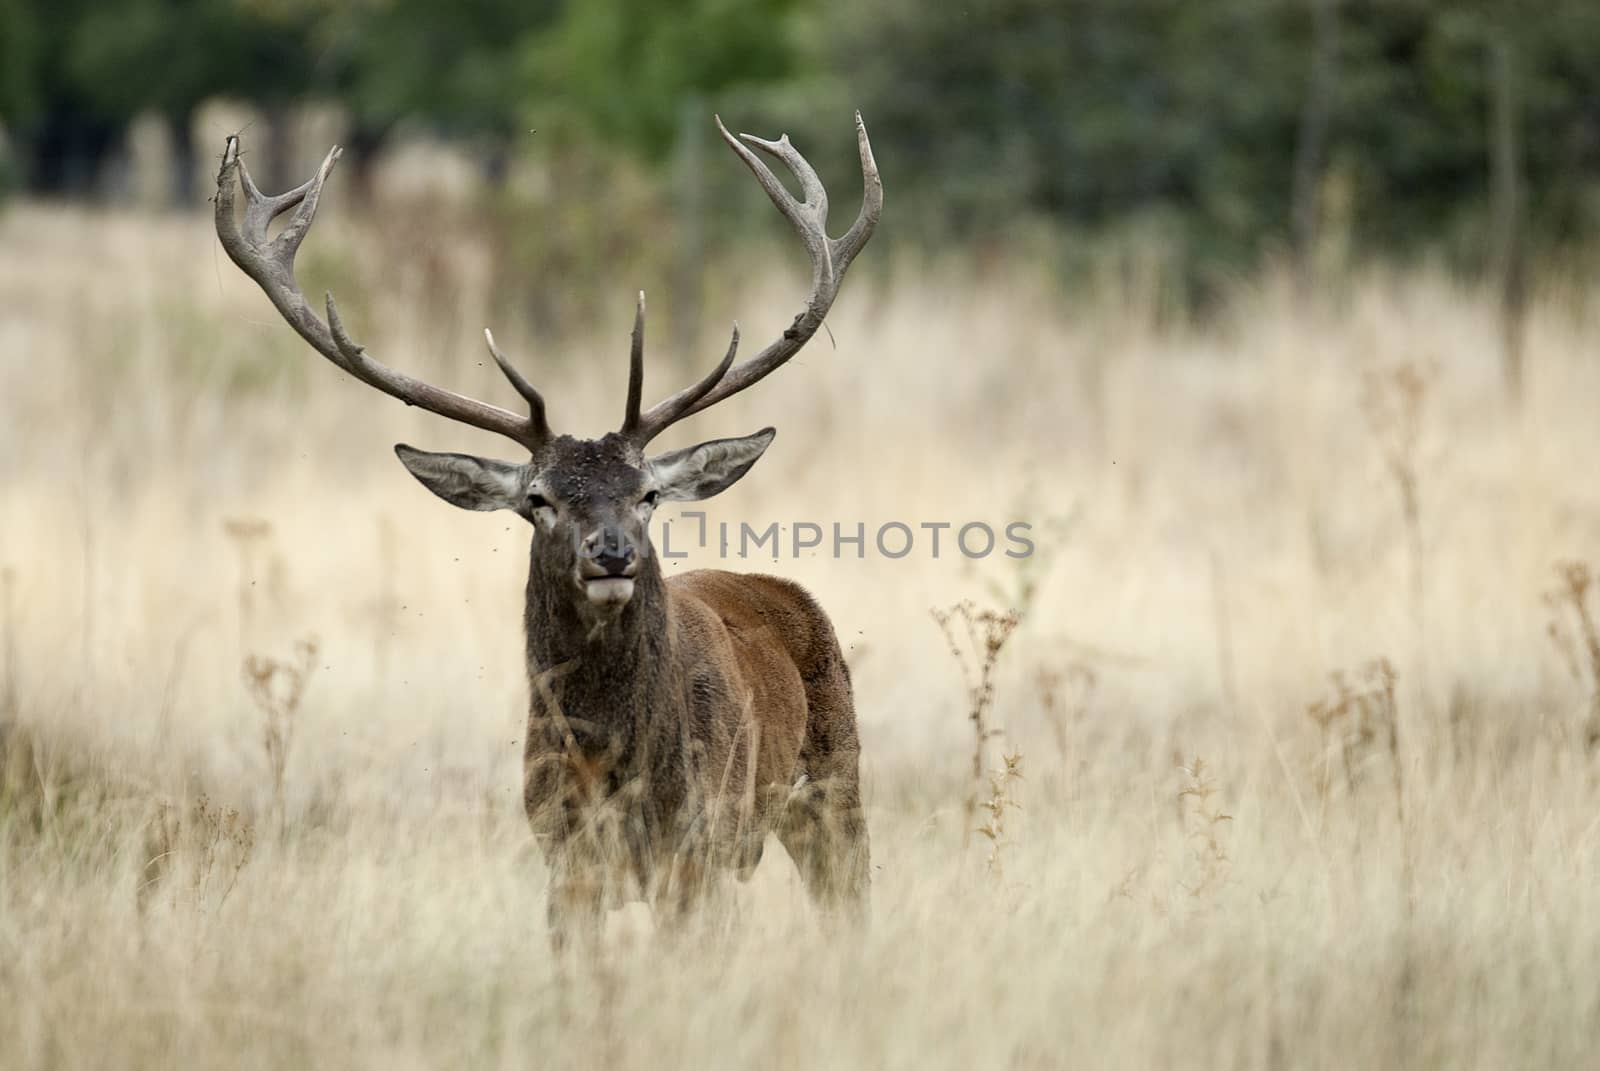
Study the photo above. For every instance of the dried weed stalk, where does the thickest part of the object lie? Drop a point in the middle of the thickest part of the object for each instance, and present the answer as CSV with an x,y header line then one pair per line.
x,y
278,688
1573,630
1204,823
1394,401
1358,722
1066,694
209,847
976,638
1002,785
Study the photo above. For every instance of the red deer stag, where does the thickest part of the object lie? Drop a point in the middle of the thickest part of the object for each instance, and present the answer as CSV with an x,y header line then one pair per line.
x,y
672,723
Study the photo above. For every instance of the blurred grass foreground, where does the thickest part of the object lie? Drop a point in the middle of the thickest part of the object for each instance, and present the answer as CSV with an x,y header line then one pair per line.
x,y
1275,322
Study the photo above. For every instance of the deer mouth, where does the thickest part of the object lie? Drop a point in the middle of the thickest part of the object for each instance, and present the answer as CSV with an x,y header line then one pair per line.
x,y
608,592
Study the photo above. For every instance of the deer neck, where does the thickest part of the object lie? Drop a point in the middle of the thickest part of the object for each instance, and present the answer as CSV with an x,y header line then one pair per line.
x,y
611,675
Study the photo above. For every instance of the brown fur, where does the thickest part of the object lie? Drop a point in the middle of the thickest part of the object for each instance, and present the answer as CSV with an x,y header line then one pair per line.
x,y
666,742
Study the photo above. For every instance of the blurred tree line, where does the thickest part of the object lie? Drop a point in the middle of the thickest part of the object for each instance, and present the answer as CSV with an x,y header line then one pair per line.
x,y
1226,128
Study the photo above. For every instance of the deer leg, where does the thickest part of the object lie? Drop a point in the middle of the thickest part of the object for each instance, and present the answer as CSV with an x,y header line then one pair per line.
x,y
825,833
577,893
822,825
684,877
576,898
573,911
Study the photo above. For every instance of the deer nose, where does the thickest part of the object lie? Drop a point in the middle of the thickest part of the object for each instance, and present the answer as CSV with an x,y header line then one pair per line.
x,y
607,552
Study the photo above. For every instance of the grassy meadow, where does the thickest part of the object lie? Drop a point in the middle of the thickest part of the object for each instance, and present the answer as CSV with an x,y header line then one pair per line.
x,y
1303,688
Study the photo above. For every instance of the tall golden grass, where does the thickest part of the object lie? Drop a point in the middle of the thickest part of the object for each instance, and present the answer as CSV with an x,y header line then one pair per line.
x,y
1306,774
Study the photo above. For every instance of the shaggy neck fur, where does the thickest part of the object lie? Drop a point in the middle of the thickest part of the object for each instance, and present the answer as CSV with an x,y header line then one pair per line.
x,y
613,681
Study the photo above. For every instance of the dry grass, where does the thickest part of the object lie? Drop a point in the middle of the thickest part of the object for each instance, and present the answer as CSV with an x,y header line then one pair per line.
x,y
1409,878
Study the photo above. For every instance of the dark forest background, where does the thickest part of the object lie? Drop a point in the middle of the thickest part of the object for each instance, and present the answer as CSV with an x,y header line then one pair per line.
x,y
1221,132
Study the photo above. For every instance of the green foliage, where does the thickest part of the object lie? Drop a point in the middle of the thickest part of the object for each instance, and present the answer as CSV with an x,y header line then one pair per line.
x,y
995,120
453,64
34,37
1083,111
622,67
1093,113
19,49
170,55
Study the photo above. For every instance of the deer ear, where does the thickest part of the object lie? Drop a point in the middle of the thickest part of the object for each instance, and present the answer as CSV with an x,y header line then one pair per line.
x,y
710,468
461,480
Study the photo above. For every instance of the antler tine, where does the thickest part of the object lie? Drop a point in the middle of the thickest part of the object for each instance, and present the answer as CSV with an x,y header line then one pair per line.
x,y
251,242
663,416
529,394
810,216
703,388
871,203
630,416
829,259
270,262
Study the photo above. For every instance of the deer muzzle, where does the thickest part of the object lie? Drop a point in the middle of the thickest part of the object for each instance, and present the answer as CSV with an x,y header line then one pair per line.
x,y
607,564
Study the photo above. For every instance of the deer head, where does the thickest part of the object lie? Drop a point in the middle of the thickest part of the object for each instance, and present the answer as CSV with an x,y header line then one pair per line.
x,y
589,500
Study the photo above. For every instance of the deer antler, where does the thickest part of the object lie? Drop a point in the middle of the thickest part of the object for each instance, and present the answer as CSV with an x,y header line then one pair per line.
x,y
270,262
830,258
